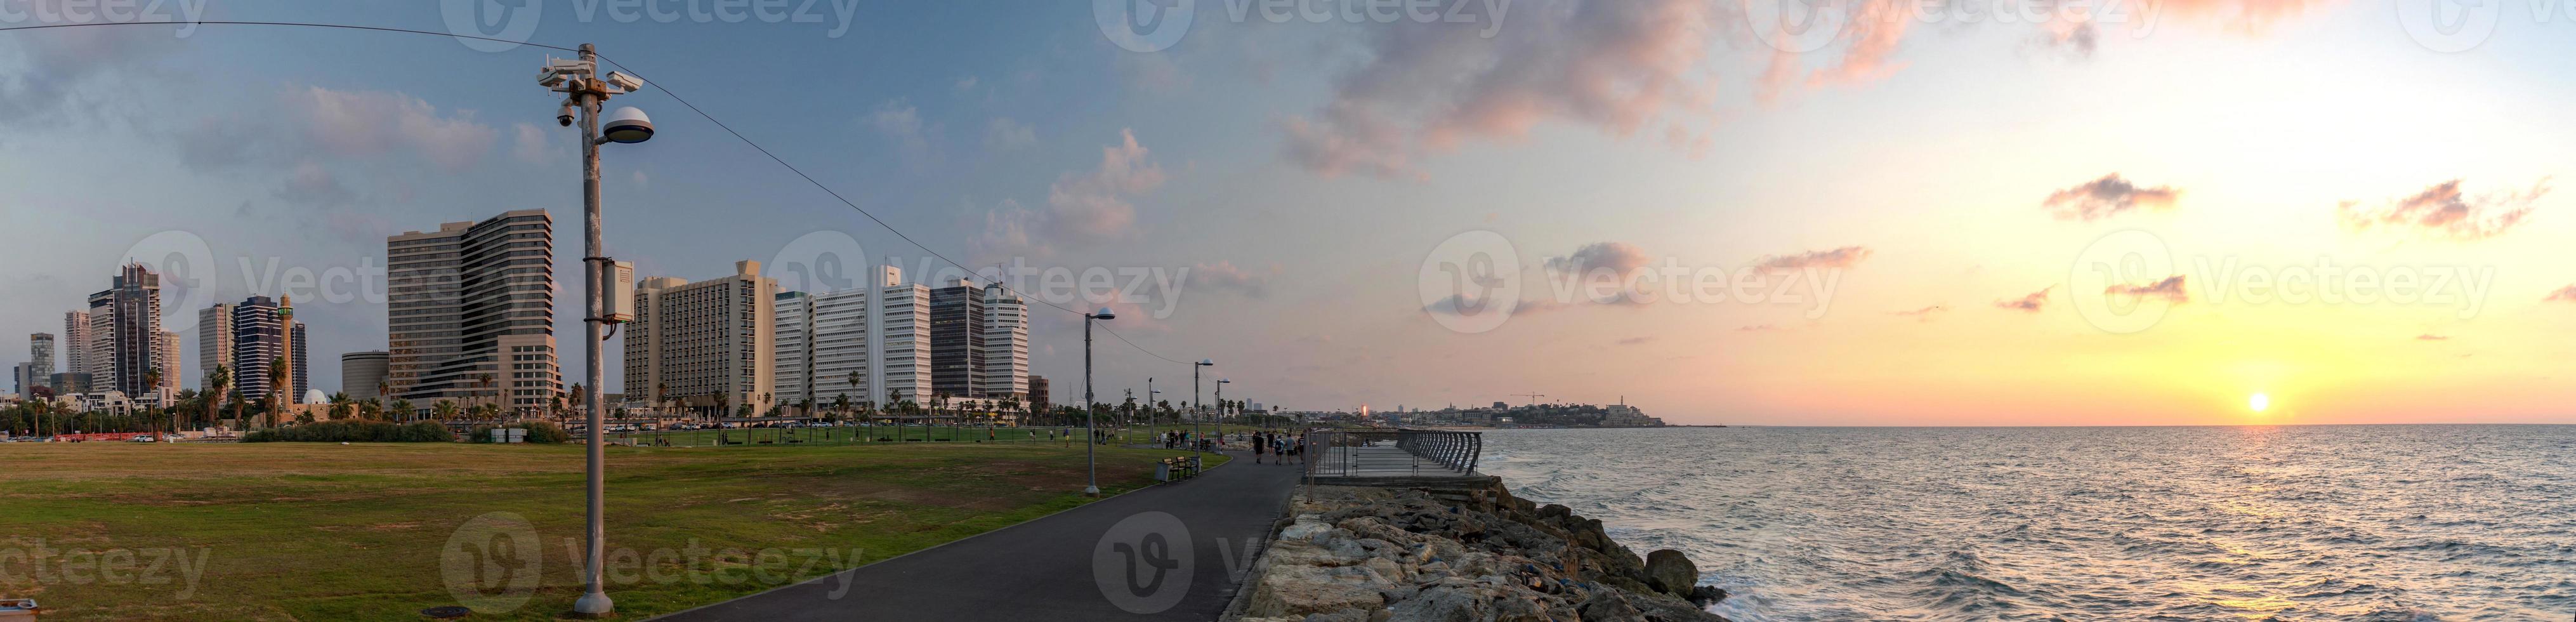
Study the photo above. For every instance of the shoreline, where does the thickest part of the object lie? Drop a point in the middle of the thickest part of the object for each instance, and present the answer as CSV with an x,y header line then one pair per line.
x,y
1473,552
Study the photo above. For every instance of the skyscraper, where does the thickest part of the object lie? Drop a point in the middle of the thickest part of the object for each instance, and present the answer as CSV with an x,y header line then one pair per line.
x,y
215,338
470,313
259,337
709,345
75,344
168,351
1006,345
126,335
40,363
295,354
880,332
957,339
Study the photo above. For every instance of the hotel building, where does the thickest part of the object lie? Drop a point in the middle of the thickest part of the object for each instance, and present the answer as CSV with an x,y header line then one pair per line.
x,y
470,313
707,346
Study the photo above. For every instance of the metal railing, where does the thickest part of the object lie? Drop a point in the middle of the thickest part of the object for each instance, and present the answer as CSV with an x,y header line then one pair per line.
x,y
1392,453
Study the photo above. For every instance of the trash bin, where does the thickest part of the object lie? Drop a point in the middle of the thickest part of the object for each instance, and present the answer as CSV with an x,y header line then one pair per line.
x,y
1162,472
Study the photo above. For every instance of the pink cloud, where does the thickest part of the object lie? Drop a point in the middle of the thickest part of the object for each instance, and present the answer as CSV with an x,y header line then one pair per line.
x,y
1844,257
2444,211
2170,289
2032,303
2107,197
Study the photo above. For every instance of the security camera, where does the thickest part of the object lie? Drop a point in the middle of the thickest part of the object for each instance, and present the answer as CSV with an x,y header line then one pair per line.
x,y
624,81
564,117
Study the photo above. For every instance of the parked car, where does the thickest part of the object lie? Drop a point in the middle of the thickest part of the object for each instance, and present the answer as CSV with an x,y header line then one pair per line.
x,y
140,438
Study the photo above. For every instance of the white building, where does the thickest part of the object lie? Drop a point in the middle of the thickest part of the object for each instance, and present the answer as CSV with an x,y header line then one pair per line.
x,y
214,338
880,332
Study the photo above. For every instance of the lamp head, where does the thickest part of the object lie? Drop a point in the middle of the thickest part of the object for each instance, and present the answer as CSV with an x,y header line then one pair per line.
x,y
1105,314
1207,362
627,125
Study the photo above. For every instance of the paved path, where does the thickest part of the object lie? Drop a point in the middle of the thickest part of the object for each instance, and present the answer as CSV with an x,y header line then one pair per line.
x,y
1044,569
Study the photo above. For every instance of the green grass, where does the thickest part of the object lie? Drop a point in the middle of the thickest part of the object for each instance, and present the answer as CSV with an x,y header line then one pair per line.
x,y
337,532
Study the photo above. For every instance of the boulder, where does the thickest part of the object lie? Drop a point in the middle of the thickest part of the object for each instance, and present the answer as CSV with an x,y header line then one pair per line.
x,y
1669,571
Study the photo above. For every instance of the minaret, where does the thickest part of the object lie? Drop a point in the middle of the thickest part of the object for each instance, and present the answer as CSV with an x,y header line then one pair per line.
x,y
285,381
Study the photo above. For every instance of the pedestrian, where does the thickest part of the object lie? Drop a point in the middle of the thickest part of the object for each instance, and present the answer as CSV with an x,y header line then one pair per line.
x,y
1257,448
1279,448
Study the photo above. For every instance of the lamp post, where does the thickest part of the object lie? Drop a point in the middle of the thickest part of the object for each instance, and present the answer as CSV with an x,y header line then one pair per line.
x,y
1090,430
1220,405
1198,411
584,91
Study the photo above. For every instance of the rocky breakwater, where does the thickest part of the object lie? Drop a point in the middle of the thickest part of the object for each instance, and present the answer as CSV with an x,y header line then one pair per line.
x,y
1356,554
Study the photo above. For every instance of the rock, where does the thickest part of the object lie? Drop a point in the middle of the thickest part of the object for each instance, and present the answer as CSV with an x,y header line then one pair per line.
x,y
1345,615
1671,572
1706,595
1443,604
1606,606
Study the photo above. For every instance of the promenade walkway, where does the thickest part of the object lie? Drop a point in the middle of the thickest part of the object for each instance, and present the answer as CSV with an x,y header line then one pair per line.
x,y
1170,552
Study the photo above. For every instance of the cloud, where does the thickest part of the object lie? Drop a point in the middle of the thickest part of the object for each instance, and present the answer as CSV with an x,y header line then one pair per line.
x,y
900,121
967,83
1757,328
1923,314
367,123
1631,341
1619,67
1006,134
47,78
2170,289
2443,211
529,143
2107,197
1844,257
2564,294
2432,337
2032,303
1082,209
1224,276
310,184
1598,268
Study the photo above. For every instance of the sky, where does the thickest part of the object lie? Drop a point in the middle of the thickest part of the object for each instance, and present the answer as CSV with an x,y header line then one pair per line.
x,y
2116,213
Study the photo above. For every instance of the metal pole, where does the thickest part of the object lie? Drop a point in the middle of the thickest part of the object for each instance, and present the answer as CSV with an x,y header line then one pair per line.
x,y
1197,411
594,600
1090,453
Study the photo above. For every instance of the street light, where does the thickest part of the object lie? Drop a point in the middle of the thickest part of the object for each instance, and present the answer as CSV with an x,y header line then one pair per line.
x,y
1220,405
583,94
1090,413
1197,411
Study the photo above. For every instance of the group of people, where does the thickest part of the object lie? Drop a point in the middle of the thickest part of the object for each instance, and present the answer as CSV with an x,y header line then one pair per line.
x,y
1279,446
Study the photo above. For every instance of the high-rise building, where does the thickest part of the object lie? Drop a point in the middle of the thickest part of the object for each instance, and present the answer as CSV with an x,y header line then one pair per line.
x,y
125,331
75,343
957,339
470,313
170,368
1040,396
215,339
295,354
709,346
360,373
259,338
878,334
40,363
19,375
1006,345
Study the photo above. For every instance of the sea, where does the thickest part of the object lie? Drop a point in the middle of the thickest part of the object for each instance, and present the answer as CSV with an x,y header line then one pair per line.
x,y
2376,522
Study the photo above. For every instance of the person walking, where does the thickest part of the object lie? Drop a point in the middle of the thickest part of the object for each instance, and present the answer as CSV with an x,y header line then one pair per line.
x,y
1257,448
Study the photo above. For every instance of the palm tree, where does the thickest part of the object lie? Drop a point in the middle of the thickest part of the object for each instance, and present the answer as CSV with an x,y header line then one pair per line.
x,y
444,410
579,397
235,396
400,408
340,406
217,380
276,370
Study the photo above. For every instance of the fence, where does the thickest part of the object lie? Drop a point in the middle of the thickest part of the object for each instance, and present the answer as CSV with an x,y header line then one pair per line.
x,y
1392,453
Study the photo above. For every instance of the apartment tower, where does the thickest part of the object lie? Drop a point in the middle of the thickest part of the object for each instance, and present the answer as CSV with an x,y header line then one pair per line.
x,y
470,313
709,346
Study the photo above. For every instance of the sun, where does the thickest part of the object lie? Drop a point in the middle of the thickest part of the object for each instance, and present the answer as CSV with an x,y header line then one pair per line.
x,y
2260,402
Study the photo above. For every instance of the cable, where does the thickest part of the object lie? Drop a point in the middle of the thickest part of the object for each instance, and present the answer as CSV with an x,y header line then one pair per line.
x,y
675,96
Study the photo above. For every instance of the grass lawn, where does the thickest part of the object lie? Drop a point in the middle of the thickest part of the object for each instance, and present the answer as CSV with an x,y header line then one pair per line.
x,y
356,532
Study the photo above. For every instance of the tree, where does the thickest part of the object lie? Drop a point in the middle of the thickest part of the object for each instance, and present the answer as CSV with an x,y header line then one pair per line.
x,y
277,399
217,380
444,410
235,396
580,397
400,408
341,406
